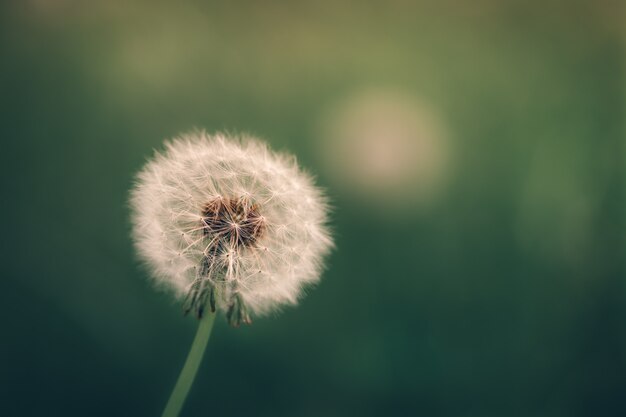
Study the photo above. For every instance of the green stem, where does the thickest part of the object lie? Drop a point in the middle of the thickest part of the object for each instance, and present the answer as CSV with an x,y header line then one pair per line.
x,y
187,375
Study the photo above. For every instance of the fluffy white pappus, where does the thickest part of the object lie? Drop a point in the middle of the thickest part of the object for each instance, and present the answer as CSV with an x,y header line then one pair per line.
x,y
228,224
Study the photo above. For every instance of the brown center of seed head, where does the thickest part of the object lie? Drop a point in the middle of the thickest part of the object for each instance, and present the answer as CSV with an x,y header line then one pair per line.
x,y
233,223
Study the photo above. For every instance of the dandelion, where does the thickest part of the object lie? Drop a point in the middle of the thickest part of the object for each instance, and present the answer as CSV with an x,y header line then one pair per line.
x,y
227,225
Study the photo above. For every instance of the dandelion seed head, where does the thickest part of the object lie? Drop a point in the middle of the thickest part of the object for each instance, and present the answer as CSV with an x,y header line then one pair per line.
x,y
226,223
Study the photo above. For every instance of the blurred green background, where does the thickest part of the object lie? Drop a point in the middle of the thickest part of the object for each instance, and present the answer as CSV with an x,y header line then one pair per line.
x,y
479,268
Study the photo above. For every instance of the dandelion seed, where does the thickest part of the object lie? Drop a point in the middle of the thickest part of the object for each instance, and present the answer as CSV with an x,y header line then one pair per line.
x,y
229,225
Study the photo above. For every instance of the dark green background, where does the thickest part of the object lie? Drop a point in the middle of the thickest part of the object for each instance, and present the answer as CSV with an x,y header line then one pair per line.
x,y
477,305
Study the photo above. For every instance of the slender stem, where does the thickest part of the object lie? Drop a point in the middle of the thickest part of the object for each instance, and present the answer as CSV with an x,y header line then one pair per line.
x,y
187,375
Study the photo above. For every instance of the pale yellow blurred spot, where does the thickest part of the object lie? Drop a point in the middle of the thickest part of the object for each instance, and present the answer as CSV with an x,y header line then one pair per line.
x,y
385,147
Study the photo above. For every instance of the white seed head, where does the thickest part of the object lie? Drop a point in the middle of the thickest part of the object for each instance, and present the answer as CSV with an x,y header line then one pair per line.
x,y
228,224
